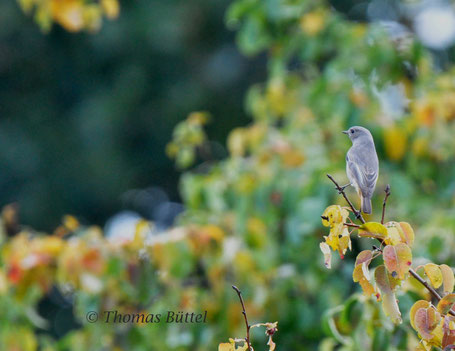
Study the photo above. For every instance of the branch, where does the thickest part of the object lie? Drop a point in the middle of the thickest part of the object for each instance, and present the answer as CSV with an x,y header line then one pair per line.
x,y
432,291
358,214
247,339
387,194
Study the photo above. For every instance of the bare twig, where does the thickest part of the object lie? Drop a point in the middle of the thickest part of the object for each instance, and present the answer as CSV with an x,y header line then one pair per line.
x,y
358,214
247,339
387,194
351,225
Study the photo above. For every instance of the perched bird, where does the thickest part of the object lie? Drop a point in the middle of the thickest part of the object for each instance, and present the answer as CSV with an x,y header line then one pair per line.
x,y
362,166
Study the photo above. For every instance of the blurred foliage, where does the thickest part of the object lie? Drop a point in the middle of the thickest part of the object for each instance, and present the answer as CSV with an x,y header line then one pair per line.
x,y
73,15
253,219
85,118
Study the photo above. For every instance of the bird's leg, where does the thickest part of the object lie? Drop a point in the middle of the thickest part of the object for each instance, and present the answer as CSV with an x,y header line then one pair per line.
x,y
341,188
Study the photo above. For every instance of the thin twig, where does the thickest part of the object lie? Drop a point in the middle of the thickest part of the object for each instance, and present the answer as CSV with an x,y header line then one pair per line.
x,y
387,194
351,225
358,214
247,339
432,291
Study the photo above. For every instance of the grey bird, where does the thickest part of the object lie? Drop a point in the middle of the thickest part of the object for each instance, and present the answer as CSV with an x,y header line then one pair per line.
x,y
362,165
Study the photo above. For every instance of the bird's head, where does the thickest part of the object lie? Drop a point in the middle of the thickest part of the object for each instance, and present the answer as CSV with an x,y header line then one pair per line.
x,y
358,133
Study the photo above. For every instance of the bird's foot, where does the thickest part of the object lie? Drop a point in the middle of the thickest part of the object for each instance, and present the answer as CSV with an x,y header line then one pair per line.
x,y
358,214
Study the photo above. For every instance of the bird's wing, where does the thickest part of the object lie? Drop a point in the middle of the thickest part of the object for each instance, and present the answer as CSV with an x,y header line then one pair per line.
x,y
365,176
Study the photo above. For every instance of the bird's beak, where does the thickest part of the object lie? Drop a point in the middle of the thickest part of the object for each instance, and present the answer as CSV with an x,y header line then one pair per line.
x,y
345,132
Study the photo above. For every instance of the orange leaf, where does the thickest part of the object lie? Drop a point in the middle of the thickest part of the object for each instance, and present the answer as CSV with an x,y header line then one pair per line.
x,y
446,303
417,305
397,259
426,320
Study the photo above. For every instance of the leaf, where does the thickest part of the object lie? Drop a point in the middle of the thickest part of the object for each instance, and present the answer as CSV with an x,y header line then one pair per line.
x,y
333,215
448,278
387,285
271,344
448,328
434,273
339,239
373,230
417,305
231,346
397,259
425,321
446,303
225,347
408,233
364,256
361,273
395,233
327,255
358,275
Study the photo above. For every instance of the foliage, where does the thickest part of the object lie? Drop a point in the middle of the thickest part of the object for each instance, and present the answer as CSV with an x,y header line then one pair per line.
x,y
245,344
434,324
252,219
73,15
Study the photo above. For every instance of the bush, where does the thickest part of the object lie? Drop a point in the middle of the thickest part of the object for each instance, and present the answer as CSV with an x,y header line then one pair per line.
x,y
253,219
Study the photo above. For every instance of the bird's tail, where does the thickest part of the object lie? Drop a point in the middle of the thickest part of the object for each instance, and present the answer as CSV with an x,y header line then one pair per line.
x,y
365,204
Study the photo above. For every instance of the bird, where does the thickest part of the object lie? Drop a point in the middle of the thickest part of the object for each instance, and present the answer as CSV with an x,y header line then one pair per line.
x,y
362,165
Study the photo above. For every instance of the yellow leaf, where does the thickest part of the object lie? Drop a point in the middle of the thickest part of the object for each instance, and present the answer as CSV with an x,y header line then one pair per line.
x,y
339,239
333,215
395,233
395,142
397,259
358,275
68,13
434,273
408,233
111,8
92,17
313,22
447,278
373,230
225,347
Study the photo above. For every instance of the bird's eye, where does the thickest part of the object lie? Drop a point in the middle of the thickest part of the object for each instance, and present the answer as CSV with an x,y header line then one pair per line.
x,y
352,131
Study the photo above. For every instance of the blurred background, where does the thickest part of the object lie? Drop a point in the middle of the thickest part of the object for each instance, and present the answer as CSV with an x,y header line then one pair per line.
x,y
85,117
174,148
